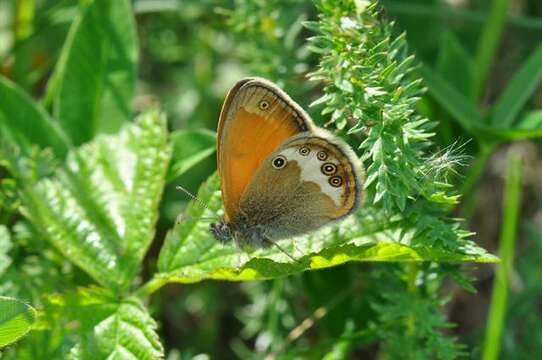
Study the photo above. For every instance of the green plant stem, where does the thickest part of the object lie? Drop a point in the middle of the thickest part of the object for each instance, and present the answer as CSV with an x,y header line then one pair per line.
x,y
151,286
274,321
317,315
511,206
488,44
472,179
475,171
412,274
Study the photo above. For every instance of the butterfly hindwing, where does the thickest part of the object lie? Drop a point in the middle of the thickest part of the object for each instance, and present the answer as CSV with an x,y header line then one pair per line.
x,y
309,181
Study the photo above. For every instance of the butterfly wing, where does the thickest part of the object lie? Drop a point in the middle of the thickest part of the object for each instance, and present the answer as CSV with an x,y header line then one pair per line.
x,y
256,118
310,181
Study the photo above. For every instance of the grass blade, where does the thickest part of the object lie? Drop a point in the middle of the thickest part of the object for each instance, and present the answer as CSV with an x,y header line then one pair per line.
x,y
189,148
488,44
94,81
455,64
457,105
26,123
511,207
519,90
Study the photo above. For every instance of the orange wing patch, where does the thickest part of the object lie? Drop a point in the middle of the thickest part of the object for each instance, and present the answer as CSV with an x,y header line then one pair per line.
x,y
256,119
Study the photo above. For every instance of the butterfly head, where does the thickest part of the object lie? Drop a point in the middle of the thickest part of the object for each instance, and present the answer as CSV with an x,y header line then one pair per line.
x,y
221,231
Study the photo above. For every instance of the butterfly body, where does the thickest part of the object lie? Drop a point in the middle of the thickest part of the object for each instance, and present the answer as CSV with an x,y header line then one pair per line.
x,y
242,232
281,176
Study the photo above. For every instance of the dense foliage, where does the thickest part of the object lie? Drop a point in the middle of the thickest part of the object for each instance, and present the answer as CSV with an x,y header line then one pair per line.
x,y
105,106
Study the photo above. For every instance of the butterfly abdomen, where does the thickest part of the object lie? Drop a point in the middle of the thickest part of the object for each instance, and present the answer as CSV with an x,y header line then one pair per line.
x,y
251,235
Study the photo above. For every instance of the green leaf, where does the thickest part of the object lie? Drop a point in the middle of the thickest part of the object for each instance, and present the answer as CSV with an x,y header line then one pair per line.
x,y
25,122
16,319
94,81
532,120
189,148
5,247
190,253
128,333
455,65
519,90
458,106
87,305
100,209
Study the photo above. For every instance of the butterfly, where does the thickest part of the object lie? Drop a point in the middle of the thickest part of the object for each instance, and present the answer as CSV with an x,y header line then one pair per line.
x,y
281,176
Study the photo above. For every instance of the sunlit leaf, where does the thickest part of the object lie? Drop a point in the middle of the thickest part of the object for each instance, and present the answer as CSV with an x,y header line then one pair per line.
x,y
16,319
26,123
127,333
100,209
190,253
189,148
94,81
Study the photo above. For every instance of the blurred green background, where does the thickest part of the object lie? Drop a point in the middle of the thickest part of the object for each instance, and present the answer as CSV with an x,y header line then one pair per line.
x,y
192,52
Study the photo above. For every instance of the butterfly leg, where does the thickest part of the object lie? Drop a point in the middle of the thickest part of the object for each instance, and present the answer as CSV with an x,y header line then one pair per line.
x,y
239,260
296,249
270,242
242,259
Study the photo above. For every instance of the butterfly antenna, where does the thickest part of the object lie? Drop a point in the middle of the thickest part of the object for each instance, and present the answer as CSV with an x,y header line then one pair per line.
x,y
197,200
282,250
193,197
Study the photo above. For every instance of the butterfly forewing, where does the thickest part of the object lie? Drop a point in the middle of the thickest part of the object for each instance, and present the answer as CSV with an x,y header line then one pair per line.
x,y
256,119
